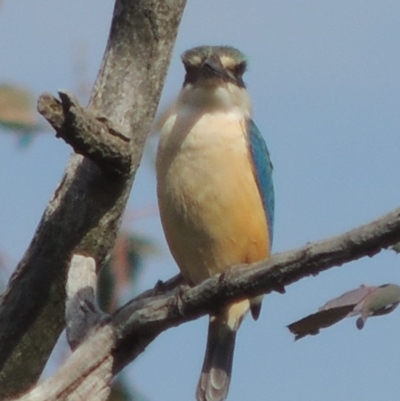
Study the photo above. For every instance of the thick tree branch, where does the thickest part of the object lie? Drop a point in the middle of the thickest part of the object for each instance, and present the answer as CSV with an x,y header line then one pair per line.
x,y
134,326
85,212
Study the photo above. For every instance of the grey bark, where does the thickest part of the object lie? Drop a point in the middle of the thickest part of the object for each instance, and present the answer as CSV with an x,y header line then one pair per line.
x,y
85,211
119,340
83,217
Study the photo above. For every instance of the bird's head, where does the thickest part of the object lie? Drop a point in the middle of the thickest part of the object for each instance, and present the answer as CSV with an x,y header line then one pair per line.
x,y
214,66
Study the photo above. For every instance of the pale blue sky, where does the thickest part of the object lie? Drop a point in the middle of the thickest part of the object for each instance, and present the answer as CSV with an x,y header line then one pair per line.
x,y
325,80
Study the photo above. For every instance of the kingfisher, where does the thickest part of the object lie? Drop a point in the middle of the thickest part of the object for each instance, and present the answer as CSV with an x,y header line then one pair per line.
x,y
215,192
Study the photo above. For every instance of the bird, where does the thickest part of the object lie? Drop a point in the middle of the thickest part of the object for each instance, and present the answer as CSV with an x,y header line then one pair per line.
x,y
215,192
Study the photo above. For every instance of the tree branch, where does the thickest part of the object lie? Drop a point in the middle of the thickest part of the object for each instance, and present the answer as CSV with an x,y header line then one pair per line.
x,y
81,311
94,137
85,212
130,329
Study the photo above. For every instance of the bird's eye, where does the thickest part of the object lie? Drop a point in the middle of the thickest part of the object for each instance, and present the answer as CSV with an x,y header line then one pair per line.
x,y
190,68
240,69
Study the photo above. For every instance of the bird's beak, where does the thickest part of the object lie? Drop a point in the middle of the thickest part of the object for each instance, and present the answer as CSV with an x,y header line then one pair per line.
x,y
213,66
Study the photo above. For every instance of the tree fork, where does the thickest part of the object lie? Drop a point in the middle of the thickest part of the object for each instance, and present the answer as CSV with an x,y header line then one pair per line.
x,y
85,212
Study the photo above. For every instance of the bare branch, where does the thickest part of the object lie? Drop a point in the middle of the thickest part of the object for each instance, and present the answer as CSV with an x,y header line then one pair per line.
x,y
135,325
157,313
96,138
85,212
81,311
68,384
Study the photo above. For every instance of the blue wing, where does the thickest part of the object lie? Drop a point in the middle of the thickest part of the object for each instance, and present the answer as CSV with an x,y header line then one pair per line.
x,y
263,172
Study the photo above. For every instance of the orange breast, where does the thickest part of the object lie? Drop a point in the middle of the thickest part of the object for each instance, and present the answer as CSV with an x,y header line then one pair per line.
x,y
210,205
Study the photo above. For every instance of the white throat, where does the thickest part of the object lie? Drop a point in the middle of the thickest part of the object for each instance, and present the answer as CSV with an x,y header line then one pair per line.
x,y
227,98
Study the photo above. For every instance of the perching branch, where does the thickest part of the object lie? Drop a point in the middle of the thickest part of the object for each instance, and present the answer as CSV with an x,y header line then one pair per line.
x,y
84,214
130,329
